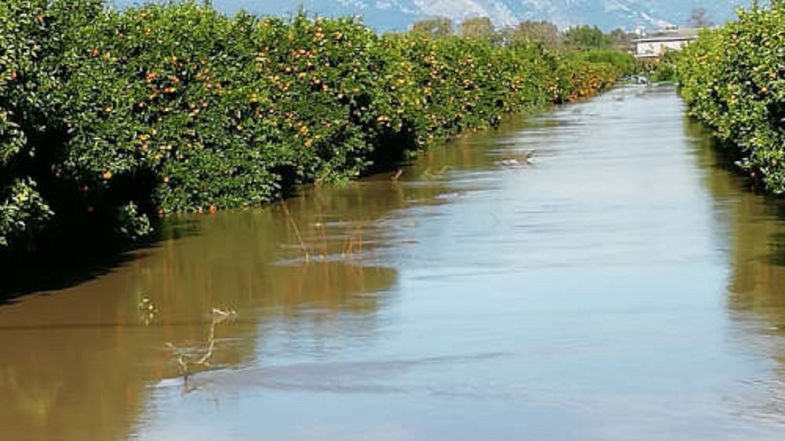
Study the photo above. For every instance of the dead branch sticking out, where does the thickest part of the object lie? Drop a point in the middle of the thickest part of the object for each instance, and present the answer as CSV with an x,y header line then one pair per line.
x,y
303,247
188,360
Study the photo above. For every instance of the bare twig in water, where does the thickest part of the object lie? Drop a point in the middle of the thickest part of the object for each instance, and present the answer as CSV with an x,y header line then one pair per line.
x,y
219,316
397,175
431,176
527,156
181,357
186,360
518,160
355,239
297,232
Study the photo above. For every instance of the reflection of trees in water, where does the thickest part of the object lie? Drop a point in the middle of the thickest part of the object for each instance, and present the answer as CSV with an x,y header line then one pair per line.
x,y
62,376
75,364
756,231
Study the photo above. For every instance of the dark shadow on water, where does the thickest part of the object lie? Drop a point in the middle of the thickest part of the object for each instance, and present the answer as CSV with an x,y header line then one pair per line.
x,y
31,275
68,258
71,261
754,225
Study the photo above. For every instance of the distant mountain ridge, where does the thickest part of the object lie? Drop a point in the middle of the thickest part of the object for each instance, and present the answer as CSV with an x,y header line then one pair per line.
x,y
399,14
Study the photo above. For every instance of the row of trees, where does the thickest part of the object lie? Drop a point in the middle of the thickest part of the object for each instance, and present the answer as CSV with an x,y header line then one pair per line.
x,y
733,79
579,37
109,117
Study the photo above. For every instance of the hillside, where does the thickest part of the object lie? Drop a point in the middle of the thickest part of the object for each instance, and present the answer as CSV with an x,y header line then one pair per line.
x,y
399,14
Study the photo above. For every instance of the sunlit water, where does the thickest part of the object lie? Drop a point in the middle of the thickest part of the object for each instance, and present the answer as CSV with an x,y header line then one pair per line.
x,y
623,286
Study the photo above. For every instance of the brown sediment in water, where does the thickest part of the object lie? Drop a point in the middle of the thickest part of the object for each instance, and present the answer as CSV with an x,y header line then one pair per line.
x,y
457,299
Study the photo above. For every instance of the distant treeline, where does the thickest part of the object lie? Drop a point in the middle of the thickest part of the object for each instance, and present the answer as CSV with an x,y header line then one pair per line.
x,y
109,118
577,37
733,79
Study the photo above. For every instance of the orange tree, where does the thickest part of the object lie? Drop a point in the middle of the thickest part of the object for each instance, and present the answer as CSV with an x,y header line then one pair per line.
x,y
734,81
35,35
177,107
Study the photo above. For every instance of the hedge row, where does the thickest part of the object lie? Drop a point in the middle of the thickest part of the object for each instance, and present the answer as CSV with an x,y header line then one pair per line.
x,y
734,81
109,116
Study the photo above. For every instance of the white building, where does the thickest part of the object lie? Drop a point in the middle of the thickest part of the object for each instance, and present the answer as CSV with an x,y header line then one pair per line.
x,y
656,45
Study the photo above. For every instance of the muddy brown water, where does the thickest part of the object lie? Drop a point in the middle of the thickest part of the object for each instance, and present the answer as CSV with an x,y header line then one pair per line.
x,y
623,286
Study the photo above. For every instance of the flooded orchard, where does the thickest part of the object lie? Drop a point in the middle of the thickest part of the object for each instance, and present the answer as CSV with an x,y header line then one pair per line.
x,y
595,273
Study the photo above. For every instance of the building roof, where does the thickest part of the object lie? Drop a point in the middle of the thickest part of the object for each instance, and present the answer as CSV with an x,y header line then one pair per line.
x,y
685,34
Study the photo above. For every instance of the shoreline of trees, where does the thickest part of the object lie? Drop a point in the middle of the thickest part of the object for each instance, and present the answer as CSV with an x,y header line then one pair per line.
x,y
733,80
110,118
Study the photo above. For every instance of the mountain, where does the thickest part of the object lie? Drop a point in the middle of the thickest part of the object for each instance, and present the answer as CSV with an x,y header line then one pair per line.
x,y
387,15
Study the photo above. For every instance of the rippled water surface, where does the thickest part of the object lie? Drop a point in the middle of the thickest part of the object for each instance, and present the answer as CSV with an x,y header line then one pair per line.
x,y
623,286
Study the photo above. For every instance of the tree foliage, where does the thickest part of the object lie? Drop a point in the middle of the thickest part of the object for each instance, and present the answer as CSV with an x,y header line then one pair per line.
x,y
734,81
478,27
700,18
543,31
587,37
622,40
433,27
109,117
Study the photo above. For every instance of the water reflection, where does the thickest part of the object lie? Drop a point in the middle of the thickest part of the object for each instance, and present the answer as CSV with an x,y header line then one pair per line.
x,y
593,274
754,228
76,364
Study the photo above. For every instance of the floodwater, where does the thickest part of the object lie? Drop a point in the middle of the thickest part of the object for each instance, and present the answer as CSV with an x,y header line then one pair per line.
x,y
623,286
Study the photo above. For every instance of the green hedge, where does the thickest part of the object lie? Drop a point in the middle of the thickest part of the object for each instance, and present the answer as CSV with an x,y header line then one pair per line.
x,y
734,81
107,116
657,70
